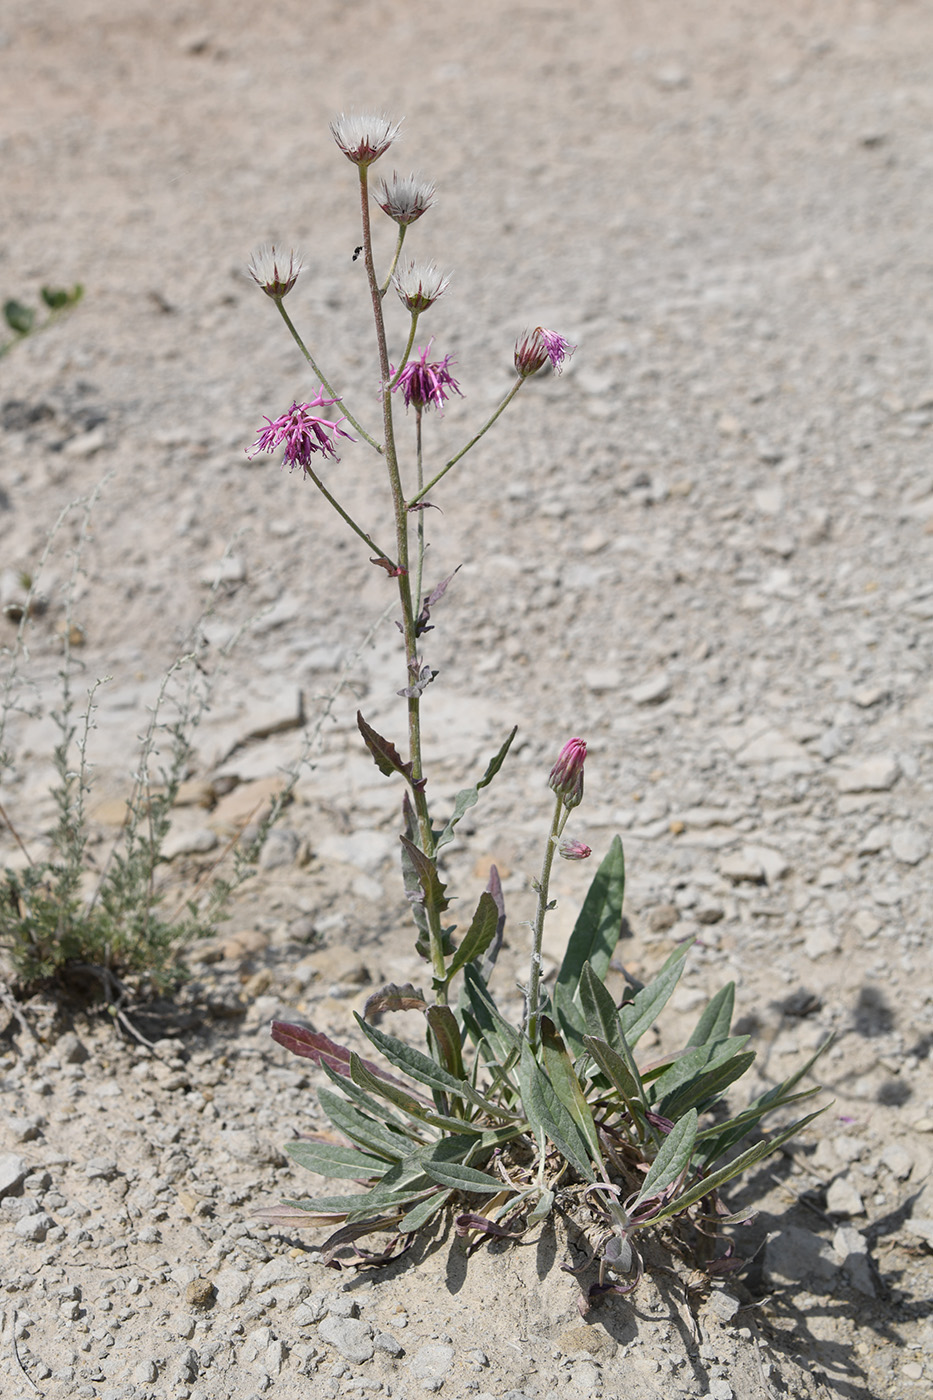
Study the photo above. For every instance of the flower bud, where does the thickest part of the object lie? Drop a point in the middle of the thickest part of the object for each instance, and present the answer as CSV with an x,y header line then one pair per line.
x,y
567,774
573,850
275,271
364,137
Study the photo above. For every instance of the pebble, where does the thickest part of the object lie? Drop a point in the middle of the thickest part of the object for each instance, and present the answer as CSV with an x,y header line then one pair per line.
x,y
432,1361
13,1172
877,774
852,1252
754,865
34,1227
652,691
350,1336
843,1199
70,1050
910,845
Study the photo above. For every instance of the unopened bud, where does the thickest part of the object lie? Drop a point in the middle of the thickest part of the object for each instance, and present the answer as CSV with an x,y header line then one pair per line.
x,y
567,774
573,850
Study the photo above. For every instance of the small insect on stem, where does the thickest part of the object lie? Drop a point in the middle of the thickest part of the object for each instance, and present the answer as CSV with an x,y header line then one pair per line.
x,y
356,253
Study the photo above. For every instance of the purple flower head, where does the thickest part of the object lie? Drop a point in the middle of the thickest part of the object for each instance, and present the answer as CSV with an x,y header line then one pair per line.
x,y
405,198
302,431
275,271
567,774
424,383
534,348
573,850
364,137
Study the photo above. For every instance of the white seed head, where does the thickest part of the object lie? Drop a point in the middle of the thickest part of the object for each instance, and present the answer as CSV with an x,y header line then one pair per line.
x,y
275,271
405,197
420,284
364,136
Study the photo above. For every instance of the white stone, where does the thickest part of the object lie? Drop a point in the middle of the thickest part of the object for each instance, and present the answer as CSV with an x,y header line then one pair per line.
x,y
13,1172
878,774
843,1199
652,691
910,845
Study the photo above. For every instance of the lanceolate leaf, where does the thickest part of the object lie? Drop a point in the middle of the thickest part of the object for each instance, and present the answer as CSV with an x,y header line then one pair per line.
x,y
328,1159
460,1178
706,1088
501,1036
380,1140
428,878
478,936
715,1179
599,925
494,888
672,1160
387,757
410,1105
423,1212
548,1116
687,1068
560,1071
446,1032
312,1045
466,798
426,1070
599,1012
640,1014
622,1073
716,1021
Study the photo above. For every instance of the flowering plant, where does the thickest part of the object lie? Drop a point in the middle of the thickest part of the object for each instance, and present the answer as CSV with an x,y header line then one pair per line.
x,y
557,1112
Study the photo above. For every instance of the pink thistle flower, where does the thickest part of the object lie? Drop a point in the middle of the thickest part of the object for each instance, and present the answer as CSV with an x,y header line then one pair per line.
x,y
424,383
566,777
364,137
275,271
534,348
573,850
303,433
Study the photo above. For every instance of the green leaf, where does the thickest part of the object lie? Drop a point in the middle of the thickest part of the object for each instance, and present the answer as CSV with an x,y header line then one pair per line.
x,y
689,1067
703,1091
600,1015
732,1169
496,1030
356,1126
359,1206
328,1159
599,924
560,1071
407,1103
423,1212
428,878
460,1178
375,1108
622,1073
640,1014
467,798
478,936
385,755
427,1071
18,317
672,1160
726,1135
548,1116
716,1021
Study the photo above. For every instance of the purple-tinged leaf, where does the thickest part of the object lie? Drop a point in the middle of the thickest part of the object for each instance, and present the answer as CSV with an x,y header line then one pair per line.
x,y
426,871
286,1218
423,623
314,1046
393,998
386,756
468,1222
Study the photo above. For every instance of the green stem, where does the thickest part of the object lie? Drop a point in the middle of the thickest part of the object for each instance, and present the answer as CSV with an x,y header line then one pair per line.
x,y
325,384
411,340
419,573
332,500
472,443
534,982
402,230
419,801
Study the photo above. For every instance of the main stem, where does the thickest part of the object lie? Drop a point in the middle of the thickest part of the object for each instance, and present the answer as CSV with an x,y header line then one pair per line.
x,y
534,982
432,913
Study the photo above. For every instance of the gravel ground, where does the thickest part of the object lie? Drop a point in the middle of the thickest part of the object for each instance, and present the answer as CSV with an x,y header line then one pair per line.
x,y
705,547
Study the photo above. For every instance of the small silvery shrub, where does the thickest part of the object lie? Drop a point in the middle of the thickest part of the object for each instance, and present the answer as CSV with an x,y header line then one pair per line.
x,y
500,1122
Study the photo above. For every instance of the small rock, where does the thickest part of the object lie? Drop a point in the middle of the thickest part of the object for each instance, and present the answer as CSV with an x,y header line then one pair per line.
x,y
199,1293
13,1172
351,1337
229,569
852,1252
877,774
843,1199
25,1129
389,1344
897,1160
193,841
724,1305
232,1286
910,845
755,865
34,1227
652,691
922,1228
663,917
795,1254
101,1169
70,1050
875,840
280,848
432,1361
720,1389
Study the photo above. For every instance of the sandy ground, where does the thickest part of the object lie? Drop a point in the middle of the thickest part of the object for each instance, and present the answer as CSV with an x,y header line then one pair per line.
x,y
706,548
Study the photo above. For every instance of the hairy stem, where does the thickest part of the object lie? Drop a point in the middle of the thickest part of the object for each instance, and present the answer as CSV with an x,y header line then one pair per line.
x,y
325,384
534,982
423,490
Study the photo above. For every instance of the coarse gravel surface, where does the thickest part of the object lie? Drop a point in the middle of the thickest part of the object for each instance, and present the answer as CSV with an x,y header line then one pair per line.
x,y
706,547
